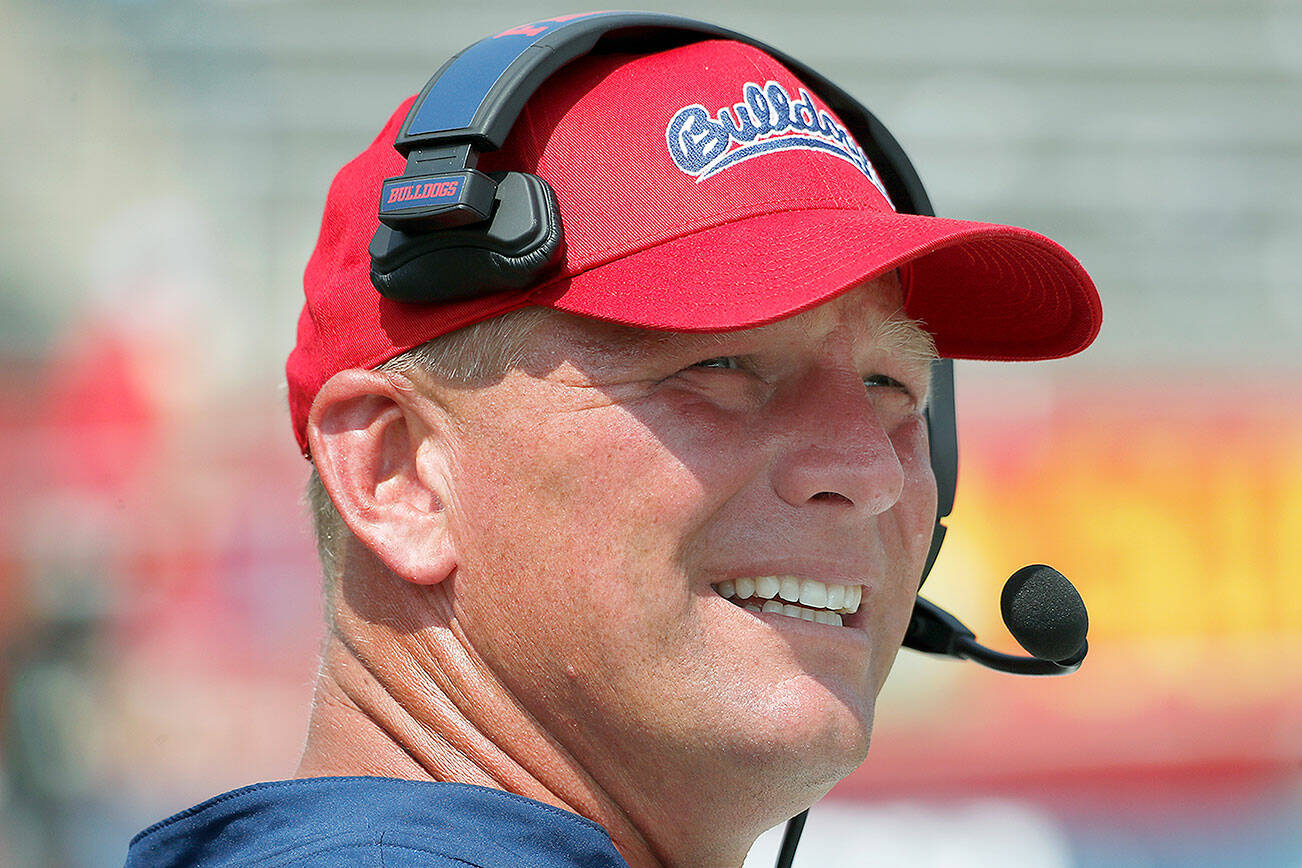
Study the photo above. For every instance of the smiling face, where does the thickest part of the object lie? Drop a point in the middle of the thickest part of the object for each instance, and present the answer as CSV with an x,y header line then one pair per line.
x,y
615,498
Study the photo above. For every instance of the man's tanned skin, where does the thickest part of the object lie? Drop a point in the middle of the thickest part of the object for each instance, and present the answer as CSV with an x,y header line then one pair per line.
x,y
533,609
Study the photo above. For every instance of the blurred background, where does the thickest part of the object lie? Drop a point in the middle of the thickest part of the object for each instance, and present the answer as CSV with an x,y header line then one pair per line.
x,y
165,165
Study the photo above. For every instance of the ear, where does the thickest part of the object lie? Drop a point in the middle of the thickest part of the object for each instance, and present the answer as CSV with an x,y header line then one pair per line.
x,y
365,432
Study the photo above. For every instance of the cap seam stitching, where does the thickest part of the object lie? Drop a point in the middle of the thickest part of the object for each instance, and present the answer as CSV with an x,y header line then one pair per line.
x,y
608,255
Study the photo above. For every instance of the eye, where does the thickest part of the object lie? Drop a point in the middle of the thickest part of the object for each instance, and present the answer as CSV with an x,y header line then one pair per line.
x,y
883,380
893,386
723,363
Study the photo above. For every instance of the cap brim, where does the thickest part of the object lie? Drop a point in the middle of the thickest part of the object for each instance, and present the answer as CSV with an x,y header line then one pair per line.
x,y
985,291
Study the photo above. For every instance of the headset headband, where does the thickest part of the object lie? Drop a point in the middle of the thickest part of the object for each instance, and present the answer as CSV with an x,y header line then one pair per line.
x,y
470,105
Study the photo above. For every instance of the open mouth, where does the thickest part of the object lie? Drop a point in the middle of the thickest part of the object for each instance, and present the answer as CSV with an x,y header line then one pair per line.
x,y
807,599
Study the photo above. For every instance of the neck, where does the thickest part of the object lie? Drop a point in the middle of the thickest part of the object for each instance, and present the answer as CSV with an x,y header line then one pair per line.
x,y
390,708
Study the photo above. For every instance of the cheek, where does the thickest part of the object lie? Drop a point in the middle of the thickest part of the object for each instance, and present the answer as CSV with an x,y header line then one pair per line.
x,y
572,533
914,519
917,506
589,503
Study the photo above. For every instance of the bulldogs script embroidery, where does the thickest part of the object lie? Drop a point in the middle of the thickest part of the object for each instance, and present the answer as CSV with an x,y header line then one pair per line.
x,y
767,120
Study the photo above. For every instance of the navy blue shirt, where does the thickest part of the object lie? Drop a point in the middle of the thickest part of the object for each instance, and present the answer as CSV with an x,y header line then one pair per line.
x,y
376,823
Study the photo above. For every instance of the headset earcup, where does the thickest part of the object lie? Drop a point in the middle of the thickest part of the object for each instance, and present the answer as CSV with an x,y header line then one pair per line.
x,y
942,436
521,243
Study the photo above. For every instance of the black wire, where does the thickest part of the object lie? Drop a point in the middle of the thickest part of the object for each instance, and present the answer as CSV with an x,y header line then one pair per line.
x,y
791,838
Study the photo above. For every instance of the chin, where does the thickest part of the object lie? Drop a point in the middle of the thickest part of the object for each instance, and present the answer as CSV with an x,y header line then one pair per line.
x,y
813,733
802,750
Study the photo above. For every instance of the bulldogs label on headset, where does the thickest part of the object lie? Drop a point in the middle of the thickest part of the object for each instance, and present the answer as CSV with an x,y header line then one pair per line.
x,y
767,120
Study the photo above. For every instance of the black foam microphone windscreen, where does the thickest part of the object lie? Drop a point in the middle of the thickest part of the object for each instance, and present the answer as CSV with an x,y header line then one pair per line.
x,y
1044,612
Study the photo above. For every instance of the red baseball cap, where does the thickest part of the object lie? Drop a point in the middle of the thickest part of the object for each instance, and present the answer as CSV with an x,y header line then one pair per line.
x,y
701,189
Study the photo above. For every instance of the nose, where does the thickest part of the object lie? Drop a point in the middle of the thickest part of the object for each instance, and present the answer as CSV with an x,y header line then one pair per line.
x,y
835,449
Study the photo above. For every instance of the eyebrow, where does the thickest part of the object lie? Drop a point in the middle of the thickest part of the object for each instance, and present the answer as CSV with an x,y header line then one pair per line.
x,y
906,336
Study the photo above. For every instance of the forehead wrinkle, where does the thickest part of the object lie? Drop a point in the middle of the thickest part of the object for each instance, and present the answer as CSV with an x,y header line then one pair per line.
x,y
598,341
572,339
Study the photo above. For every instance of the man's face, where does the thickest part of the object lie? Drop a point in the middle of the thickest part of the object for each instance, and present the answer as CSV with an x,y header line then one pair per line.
x,y
604,491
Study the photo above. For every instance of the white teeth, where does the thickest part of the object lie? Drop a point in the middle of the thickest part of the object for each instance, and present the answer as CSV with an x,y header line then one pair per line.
x,y
835,596
813,593
819,601
766,587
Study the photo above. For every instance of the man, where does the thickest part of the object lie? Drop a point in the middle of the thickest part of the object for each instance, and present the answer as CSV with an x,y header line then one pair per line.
x,y
616,564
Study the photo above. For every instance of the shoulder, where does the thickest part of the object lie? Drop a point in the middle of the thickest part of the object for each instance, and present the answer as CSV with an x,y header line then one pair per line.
x,y
356,822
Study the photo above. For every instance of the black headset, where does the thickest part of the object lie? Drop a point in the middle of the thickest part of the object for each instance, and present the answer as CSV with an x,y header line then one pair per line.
x,y
448,231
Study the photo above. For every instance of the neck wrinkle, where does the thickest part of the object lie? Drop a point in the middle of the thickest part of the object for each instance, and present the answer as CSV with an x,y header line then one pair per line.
x,y
423,706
